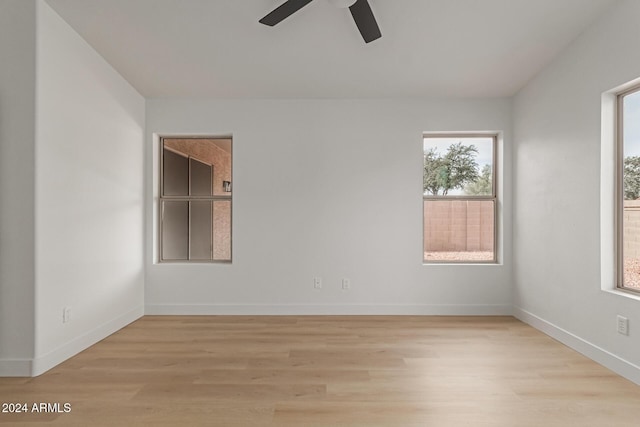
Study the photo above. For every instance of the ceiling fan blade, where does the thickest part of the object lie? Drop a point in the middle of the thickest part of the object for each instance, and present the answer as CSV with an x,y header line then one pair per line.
x,y
366,22
283,11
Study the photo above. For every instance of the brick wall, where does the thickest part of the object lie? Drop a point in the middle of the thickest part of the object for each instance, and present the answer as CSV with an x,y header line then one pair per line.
x,y
458,225
631,228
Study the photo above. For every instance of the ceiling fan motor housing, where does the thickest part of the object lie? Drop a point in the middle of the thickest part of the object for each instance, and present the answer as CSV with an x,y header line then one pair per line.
x,y
342,3
360,10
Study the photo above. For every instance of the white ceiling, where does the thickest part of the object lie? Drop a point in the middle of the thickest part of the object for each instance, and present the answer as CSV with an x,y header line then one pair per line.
x,y
217,48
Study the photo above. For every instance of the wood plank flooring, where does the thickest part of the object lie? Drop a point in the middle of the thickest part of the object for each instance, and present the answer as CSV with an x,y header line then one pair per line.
x,y
327,371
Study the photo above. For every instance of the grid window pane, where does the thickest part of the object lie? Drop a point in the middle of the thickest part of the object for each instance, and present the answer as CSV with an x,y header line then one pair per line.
x,y
200,230
222,230
201,178
175,174
459,230
175,230
458,166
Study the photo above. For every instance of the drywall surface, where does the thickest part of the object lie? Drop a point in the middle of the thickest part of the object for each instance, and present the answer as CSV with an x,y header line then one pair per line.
x,y
330,189
89,194
17,139
557,163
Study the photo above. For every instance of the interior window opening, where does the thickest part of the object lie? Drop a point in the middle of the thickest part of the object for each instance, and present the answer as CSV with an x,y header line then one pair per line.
x,y
195,200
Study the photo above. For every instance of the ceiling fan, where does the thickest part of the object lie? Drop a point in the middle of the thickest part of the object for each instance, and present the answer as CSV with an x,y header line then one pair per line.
x,y
360,10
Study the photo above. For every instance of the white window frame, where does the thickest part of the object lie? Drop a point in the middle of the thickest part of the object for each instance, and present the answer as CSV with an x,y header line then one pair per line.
x,y
619,188
162,198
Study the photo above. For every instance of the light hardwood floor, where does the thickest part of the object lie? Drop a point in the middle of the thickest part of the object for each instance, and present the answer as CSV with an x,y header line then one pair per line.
x,y
328,371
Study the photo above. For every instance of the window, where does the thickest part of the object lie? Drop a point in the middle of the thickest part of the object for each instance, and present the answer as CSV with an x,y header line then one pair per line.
x,y
459,198
628,108
195,200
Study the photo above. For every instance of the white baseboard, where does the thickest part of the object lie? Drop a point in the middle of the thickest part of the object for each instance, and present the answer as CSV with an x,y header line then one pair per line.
x,y
609,360
15,367
344,309
43,363
34,367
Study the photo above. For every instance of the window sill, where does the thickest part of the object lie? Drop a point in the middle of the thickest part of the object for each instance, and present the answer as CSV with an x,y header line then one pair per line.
x,y
626,294
462,264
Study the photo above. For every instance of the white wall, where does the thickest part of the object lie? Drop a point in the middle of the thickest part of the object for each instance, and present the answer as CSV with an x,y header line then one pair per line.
x,y
324,188
89,194
17,141
557,198
328,188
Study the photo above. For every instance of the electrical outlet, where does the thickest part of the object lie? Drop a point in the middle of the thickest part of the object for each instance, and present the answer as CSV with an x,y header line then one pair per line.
x,y
66,314
346,284
317,282
623,325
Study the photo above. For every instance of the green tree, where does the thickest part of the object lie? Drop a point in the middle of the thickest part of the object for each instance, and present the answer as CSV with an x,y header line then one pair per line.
x,y
631,177
432,164
454,170
482,186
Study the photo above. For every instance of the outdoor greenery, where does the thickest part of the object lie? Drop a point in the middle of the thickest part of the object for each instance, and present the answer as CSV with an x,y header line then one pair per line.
x,y
631,178
455,170
483,185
